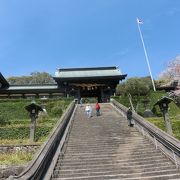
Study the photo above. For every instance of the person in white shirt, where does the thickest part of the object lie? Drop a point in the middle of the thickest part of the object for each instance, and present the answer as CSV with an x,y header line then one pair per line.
x,y
88,110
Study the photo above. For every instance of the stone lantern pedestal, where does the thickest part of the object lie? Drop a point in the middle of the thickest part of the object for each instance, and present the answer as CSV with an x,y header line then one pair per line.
x,y
163,105
33,110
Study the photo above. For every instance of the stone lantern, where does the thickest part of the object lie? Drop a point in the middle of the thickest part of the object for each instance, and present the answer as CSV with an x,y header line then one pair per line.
x,y
147,112
163,105
33,110
146,103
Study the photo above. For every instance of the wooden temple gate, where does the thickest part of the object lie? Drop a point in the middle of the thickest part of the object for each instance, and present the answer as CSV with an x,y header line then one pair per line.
x,y
99,82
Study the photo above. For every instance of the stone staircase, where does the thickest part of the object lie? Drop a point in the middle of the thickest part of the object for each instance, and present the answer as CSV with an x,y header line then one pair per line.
x,y
105,147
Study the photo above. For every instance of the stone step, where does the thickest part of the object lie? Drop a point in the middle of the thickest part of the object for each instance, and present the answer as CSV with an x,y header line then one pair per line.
x,y
148,152
115,170
110,156
131,173
108,141
115,159
105,140
114,140
117,145
110,163
101,166
110,145
107,150
138,176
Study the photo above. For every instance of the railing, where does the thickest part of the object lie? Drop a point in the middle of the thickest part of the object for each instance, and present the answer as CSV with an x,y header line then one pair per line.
x,y
41,162
60,151
169,145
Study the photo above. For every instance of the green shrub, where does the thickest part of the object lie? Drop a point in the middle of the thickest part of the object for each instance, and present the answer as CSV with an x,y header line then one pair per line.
x,y
15,120
42,132
156,111
23,132
14,109
4,120
14,132
43,118
56,111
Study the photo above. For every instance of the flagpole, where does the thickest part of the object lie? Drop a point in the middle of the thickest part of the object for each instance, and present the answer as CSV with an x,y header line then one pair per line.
x,y
154,88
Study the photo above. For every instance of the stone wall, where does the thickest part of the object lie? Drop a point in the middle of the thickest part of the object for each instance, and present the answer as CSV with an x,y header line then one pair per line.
x,y
7,170
16,148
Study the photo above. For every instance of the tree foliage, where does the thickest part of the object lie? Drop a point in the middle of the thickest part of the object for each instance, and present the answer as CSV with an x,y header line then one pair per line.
x,y
135,86
33,78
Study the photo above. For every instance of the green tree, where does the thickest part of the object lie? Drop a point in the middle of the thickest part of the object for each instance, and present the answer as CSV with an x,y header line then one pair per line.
x,y
135,86
34,78
121,89
41,78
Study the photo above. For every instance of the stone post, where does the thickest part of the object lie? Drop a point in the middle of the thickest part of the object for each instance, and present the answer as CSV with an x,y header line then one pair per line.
x,y
167,122
33,110
32,128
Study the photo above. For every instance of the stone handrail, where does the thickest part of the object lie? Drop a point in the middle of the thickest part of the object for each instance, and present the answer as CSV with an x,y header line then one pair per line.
x,y
39,165
169,145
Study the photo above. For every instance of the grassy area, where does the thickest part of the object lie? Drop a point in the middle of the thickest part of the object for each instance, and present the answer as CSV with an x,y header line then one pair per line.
x,y
159,122
15,158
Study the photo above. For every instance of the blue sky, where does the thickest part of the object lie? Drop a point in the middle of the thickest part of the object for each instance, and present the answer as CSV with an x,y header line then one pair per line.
x,y
42,35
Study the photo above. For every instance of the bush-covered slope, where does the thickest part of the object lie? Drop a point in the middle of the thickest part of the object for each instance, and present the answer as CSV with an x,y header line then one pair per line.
x,y
15,120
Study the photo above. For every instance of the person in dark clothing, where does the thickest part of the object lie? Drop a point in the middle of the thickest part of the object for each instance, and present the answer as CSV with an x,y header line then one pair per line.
x,y
81,102
129,117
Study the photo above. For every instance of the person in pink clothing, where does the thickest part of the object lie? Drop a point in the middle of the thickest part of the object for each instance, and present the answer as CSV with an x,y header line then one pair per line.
x,y
97,109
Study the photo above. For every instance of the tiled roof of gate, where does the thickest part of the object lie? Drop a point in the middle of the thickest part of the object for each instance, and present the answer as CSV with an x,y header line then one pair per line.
x,y
88,72
24,87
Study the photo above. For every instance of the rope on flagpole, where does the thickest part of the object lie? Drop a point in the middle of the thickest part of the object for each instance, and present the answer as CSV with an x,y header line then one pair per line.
x,y
145,52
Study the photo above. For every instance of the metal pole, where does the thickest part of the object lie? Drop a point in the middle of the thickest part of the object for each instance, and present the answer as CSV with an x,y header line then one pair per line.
x,y
130,100
154,88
